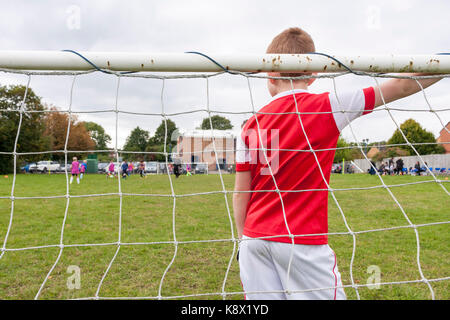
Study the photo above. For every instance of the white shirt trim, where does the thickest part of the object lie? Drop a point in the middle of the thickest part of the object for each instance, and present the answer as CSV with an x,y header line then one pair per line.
x,y
286,93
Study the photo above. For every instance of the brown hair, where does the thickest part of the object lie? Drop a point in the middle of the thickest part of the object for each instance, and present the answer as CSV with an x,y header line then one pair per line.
x,y
292,40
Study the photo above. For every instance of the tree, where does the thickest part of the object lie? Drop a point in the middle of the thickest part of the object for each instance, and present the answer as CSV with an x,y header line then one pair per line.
x,y
415,134
57,124
31,138
156,143
136,141
157,153
218,123
160,133
98,134
348,152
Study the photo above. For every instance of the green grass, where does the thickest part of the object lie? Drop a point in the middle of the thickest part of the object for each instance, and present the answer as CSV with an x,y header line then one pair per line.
x,y
200,267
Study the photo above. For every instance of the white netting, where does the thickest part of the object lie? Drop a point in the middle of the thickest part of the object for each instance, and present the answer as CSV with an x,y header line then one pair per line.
x,y
119,243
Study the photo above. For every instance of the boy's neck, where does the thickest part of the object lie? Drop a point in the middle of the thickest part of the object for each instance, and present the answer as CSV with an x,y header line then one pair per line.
x,y
283,86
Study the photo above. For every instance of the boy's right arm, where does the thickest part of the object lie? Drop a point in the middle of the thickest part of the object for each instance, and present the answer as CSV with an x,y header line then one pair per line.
x,y
241,199
395,89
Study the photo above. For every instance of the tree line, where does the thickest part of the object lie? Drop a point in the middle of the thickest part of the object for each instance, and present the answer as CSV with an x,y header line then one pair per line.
x,y
397,146
43,128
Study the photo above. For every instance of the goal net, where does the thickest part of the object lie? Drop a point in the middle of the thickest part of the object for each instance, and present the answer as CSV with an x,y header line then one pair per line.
x,y
166,236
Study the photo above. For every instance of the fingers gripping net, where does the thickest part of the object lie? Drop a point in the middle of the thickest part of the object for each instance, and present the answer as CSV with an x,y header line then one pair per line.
x,y
226,291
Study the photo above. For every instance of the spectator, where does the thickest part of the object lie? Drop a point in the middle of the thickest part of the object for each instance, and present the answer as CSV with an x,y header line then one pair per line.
x,y
372,169
418,168
381,169
399,163
391,168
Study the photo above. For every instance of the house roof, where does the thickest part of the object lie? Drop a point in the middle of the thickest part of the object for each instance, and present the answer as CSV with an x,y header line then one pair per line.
x,y
443,129
208,133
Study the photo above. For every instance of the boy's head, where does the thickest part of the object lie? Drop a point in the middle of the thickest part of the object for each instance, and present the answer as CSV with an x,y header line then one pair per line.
x,y
294,41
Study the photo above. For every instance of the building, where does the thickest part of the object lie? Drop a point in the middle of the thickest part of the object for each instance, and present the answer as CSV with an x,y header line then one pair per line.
x,y
444,137
196,146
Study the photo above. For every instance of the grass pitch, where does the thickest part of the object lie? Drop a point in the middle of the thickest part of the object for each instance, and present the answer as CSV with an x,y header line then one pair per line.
x,y
200,267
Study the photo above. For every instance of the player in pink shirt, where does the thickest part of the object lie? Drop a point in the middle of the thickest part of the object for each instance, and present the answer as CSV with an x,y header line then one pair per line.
x,y
83,166
75,170
284,251
111,169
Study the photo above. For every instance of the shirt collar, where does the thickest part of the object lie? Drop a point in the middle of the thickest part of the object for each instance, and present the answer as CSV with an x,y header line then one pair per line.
x,y
286,93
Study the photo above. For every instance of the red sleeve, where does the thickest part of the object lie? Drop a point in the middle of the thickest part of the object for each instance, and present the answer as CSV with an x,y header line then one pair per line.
x,y
243,166
369,95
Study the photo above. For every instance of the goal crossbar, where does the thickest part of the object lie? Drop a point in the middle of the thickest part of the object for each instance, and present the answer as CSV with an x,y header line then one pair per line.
x,y
187,62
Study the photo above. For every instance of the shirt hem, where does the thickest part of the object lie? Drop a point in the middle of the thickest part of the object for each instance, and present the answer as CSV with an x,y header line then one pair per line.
x,y
310,240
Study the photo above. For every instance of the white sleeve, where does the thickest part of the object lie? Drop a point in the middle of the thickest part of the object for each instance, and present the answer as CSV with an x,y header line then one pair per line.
x,y
242,153
347,106
243,157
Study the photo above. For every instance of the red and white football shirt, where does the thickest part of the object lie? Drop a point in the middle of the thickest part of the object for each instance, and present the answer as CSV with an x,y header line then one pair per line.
x,y
283,128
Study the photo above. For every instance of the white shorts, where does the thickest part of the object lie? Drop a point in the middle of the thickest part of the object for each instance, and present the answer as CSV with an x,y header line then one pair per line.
x,y
264,271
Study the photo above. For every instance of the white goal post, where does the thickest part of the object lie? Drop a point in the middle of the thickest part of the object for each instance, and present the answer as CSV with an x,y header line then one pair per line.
x,y
186,62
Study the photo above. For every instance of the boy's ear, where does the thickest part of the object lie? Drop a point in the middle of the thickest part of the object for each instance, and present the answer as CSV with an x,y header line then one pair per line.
x,y
272,81
311,80
273,74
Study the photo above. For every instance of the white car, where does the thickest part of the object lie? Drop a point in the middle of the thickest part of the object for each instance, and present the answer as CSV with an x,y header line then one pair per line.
x,y
46,166
151,167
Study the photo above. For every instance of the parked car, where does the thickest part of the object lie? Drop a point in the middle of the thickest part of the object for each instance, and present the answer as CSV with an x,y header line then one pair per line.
x,y
33,167
162,167
102,167
63,167
151,167
201,168
45,166
27,167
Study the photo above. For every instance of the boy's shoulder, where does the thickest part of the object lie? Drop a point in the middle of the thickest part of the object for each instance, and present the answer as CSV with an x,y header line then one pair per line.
x,y
288,102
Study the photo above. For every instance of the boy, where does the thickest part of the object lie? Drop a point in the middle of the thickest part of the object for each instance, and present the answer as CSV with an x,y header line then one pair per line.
x,y
75,170
285,248
124,169
142,168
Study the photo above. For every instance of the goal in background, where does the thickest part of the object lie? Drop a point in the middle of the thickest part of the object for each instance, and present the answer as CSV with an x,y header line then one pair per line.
x,y
115,261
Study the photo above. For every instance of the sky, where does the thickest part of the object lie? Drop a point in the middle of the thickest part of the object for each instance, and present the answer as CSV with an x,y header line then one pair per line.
x,y
338,27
